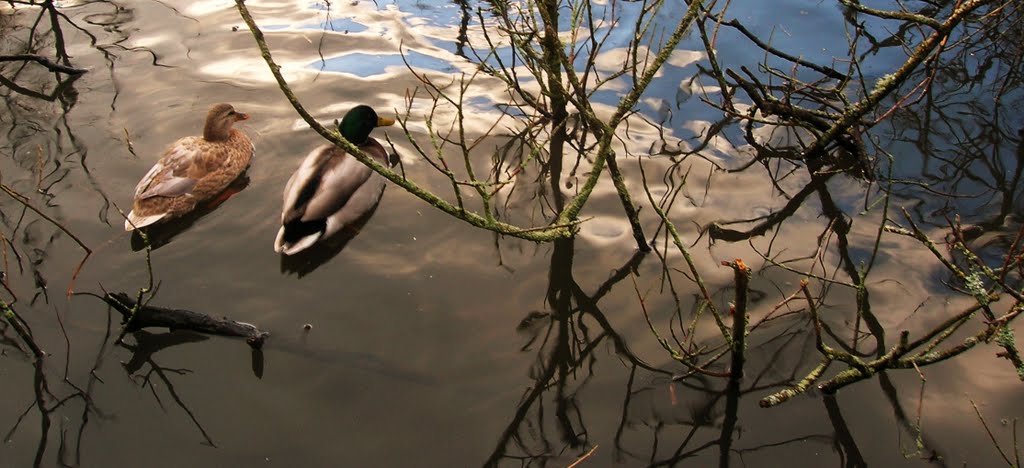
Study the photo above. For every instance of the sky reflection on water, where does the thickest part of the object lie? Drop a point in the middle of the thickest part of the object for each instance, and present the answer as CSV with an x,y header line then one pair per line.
x,y
425,330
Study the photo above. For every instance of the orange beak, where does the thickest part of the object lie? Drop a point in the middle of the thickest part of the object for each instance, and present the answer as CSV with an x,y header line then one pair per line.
x,y
241,116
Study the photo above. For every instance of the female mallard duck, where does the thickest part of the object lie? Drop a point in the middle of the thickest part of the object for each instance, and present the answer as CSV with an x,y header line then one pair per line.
x,y
331,189
194,169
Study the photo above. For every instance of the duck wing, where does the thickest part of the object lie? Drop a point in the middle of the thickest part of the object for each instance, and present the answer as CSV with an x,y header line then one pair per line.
x,y
176,173
322,185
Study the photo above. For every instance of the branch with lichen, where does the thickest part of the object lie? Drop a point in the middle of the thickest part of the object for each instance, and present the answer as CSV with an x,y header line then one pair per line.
x,y
974,283
558,230
605,129
897,15
553,62
741,274
677,241
905,354
889,83
833,120
802,386
523,28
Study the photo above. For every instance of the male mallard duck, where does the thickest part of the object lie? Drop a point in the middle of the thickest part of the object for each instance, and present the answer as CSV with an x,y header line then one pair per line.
x,y
331,189
192,170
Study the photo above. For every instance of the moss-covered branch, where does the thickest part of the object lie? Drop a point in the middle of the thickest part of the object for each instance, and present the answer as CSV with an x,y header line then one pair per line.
x,y
889,83
564,228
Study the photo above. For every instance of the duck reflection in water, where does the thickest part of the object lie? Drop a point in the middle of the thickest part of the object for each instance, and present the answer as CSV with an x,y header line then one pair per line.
x,y
308,260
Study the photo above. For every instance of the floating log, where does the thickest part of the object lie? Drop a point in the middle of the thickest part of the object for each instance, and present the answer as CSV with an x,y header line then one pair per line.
x,y
180,319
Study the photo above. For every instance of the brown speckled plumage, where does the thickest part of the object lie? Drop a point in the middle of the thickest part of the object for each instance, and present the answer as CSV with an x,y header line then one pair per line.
x,y
192,170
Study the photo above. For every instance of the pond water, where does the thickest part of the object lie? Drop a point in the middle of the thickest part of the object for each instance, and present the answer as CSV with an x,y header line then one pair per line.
x,y
431,342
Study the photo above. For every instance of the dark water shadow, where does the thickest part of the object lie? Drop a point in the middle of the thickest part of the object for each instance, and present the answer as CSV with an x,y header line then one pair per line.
x,y
161,234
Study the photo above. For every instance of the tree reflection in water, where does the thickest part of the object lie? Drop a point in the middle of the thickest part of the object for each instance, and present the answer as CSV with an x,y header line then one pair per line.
x,y
567,338
38,95
146,345
971,152
946,143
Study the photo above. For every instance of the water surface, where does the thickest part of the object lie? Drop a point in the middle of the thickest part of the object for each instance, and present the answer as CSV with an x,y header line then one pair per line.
x,y
432,342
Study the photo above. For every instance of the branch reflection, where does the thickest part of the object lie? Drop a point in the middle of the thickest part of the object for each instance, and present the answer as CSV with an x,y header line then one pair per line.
x,y
146,345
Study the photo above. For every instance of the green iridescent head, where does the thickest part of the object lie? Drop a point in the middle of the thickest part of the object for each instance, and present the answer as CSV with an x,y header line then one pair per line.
x,y
359,122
